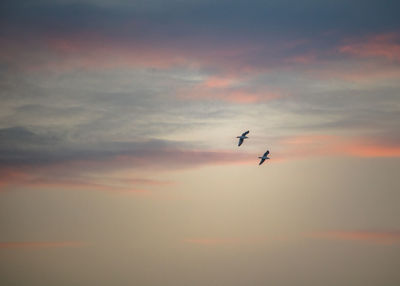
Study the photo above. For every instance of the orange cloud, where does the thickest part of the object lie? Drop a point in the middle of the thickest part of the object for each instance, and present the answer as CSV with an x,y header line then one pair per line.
x,y
328,145
380,237
373,150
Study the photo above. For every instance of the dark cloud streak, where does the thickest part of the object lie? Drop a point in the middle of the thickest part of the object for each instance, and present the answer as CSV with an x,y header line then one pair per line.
x,y
23,148
179,19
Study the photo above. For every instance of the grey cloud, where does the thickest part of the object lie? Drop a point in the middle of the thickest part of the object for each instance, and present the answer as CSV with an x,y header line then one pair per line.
x,y
15,137
82,107
178,17
320,103
88,106
22,148
198,26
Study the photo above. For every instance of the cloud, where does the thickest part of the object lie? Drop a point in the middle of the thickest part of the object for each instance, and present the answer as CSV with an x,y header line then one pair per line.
x,y
226,17
67,36
72,172
22,147
100,81
174,38
229,89
227,37
44,161
151,182
383,45
332,145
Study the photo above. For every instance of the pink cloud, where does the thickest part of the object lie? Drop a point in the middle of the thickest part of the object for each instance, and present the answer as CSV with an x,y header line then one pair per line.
x,y
379,237
332,145
89,51
75,174
144,181
239,95
219,82
10,176
373,150
230,89
57,177
366,60
302,59
385,45
93,51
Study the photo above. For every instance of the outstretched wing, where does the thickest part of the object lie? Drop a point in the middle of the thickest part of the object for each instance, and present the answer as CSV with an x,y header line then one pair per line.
x,y
240,141
245,133
262,161
266,153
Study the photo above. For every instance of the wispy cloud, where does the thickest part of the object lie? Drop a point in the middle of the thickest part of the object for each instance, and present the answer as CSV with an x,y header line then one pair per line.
x,y
333,145
111,91
383,45
71,166
146,181
231,89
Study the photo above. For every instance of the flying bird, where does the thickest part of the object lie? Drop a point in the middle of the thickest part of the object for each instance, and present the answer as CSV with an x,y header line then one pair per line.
x,y
264,157
241,138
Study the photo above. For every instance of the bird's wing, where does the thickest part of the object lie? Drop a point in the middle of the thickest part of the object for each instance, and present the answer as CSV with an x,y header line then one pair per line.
x,y
245,133
240,141
262,161
266,153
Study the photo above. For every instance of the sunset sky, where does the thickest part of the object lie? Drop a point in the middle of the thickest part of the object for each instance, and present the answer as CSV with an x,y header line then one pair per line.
x,y
119,162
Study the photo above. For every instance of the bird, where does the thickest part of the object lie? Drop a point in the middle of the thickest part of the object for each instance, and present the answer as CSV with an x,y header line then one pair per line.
x,y
264,157
242,137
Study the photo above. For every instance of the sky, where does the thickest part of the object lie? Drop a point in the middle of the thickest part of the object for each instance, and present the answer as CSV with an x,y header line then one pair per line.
x,y
119,162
